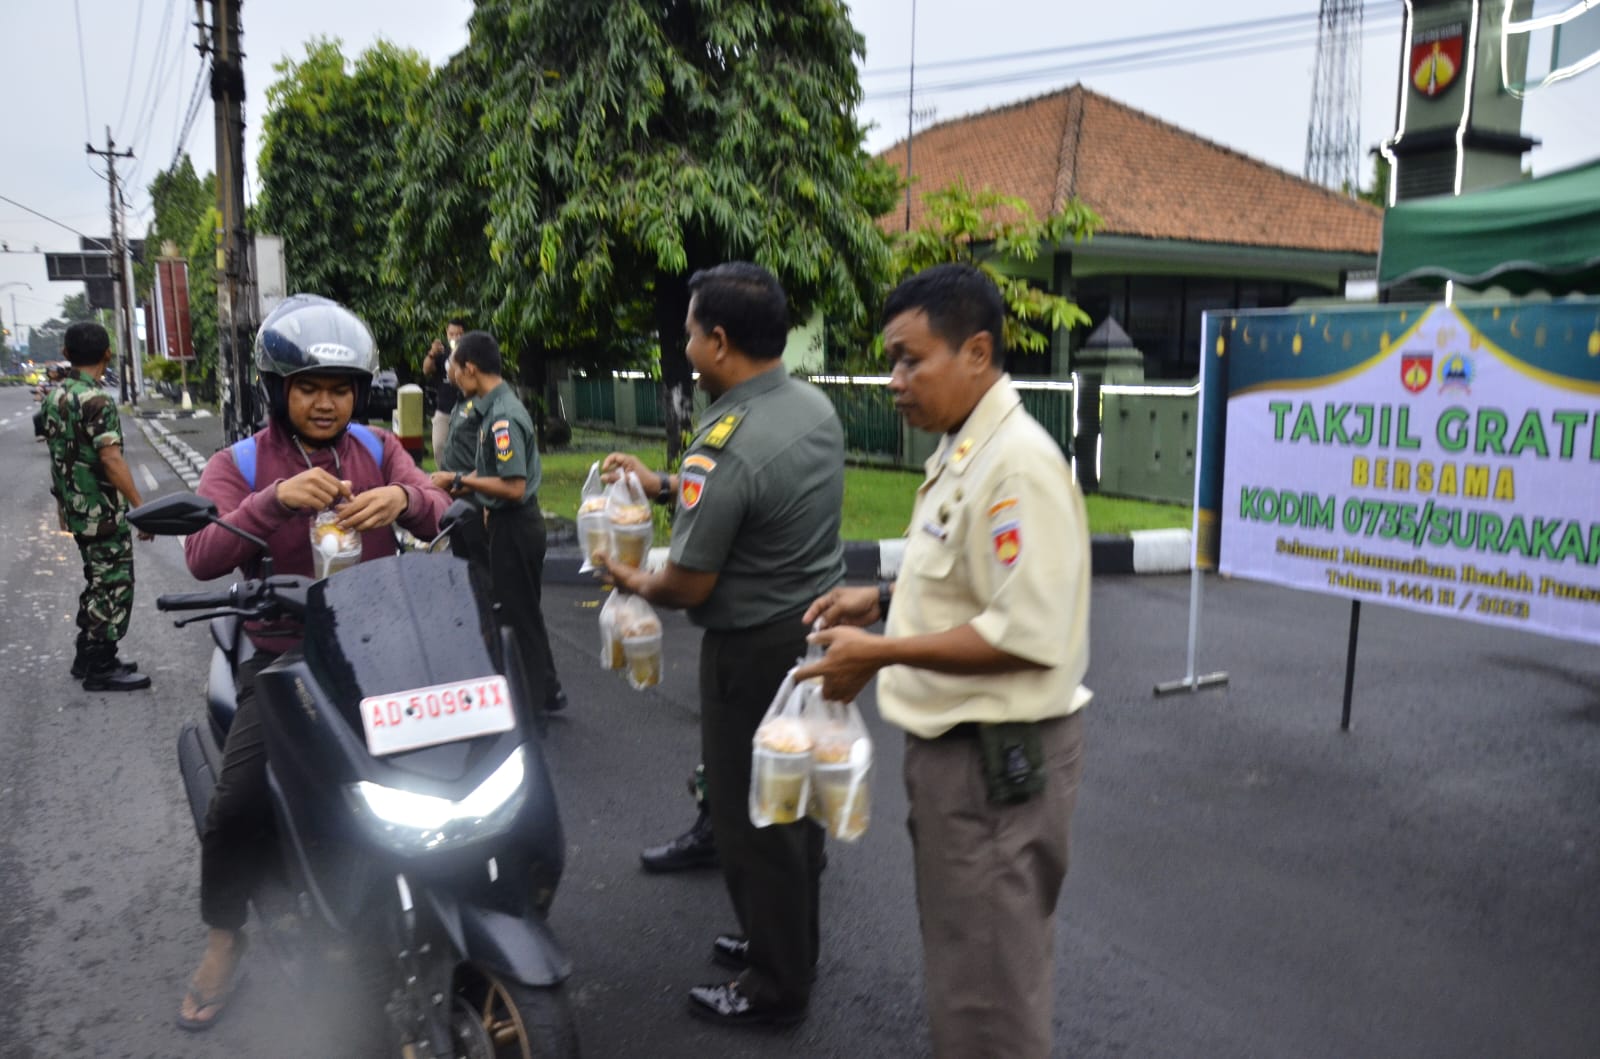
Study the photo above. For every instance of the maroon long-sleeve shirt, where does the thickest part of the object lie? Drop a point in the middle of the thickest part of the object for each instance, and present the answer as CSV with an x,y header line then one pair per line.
x,y
214,551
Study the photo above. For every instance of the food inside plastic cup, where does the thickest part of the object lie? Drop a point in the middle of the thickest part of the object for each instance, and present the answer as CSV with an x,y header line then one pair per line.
x,y
830,788
782,784
631,543
595,529
643,654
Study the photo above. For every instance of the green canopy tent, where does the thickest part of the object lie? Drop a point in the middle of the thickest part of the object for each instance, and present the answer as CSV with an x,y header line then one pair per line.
x,y
1541,234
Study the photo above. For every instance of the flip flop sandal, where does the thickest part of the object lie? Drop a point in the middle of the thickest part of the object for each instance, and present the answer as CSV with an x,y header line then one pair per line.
x,y
216,1002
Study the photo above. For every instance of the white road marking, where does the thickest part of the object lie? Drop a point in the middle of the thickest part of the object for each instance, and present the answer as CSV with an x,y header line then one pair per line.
x,y
149,479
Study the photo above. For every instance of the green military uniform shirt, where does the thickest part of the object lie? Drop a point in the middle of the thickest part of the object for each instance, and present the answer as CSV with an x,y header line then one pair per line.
x,y
80,419
759,499
505,444
461,444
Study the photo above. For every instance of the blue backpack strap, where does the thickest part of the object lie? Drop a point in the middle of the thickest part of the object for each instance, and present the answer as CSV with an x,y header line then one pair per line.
x,y
371,441
244,452
244,458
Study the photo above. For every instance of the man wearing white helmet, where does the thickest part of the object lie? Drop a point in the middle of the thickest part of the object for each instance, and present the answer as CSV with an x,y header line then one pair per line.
x,y
316,360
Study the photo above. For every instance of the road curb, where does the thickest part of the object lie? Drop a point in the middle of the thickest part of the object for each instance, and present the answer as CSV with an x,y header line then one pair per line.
x,y
179,455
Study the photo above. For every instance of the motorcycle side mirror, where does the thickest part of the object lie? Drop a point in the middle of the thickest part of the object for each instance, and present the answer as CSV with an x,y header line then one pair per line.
x,y
458,512
174,515
455,515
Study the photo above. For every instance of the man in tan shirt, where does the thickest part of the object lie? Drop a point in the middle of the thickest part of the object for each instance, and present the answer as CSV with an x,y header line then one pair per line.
x,y
982,661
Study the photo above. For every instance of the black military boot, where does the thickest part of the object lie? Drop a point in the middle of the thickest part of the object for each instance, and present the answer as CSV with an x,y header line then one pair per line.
x,y
695,848
80,664
104,673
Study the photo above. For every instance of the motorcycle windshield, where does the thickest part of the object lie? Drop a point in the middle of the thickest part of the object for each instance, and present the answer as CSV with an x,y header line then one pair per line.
x,y
397,624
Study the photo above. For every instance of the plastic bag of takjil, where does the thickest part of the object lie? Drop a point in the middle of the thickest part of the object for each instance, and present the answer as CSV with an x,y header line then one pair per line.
x,y
611,655
333,548
594,527
841,764
628,515
780,760
639,631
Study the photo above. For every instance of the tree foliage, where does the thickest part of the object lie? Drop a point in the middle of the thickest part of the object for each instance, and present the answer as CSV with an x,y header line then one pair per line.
x,y
603,150
330,150
988,229
180,200
1378,194
201,253
75,308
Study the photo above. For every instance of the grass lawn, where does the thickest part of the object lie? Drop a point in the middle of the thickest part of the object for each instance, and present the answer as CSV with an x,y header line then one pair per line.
x,y
877,501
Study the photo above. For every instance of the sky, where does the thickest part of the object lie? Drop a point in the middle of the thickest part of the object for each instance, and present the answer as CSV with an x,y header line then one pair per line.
x,y
137,66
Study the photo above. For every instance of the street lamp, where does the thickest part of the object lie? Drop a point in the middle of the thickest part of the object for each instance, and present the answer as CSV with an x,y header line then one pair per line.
x,y
15,283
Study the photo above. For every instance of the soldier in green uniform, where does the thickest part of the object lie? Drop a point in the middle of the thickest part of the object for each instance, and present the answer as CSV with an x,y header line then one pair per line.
x,y
94,488
755,537
504,480
459,455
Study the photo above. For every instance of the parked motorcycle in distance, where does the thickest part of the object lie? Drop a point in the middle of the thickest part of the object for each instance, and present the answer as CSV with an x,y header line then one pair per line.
x,y
419,836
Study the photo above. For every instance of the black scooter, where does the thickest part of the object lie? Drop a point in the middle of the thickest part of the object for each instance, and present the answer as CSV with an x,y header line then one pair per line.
x,y
419,838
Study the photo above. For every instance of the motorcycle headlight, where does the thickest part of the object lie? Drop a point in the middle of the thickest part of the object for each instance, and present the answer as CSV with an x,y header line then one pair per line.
x,y
408,822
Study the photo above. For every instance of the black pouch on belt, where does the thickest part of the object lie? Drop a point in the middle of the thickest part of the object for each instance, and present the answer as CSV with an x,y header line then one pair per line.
x,y
1013,761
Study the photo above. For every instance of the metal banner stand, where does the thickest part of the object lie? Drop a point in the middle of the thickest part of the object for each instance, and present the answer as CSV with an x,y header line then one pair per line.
x,y
1190,682
1350,663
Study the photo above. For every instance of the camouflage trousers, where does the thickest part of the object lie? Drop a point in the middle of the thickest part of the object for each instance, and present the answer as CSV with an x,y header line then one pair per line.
x,y
107,599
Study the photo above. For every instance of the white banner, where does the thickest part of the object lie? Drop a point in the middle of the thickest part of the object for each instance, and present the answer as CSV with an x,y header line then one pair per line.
x,y
1440,471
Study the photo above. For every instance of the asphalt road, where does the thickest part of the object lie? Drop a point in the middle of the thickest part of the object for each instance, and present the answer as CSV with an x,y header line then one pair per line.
x,y
1246,880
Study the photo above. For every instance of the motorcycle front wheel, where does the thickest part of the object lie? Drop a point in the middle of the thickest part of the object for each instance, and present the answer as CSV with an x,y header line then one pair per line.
x,y
496,1018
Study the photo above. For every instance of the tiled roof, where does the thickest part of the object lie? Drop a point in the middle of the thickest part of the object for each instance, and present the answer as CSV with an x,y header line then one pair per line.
x,y
1144,176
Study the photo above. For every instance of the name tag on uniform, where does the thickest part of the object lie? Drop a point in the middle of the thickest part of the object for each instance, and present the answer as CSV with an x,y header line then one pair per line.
x,y
934,530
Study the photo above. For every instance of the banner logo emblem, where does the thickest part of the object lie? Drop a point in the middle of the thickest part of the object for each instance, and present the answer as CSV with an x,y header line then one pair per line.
x,y
1416,371
1436,59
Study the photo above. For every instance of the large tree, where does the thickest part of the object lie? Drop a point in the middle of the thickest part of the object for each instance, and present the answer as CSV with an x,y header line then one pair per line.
x,y
604,150
329,156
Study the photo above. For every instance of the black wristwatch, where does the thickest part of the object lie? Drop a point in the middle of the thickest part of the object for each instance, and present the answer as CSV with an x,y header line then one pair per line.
x,y
664,494
885,594
455,483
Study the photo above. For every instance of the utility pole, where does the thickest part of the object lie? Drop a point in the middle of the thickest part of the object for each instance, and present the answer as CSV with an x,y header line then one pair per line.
x,y
126,334
235,308
911,102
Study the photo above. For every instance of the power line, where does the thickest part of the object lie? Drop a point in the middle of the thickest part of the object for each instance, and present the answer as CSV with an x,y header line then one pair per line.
x,y
1237,47
44,217
1386,12
161,70
133,62
195,99
83,69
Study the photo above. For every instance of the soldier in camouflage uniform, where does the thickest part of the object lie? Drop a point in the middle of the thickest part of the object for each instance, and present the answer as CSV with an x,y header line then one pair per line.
x,y
94,488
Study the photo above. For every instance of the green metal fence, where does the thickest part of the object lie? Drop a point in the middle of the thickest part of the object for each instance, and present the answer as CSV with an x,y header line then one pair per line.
x,y
1052,407
871,425
647,403
595,399
1144,446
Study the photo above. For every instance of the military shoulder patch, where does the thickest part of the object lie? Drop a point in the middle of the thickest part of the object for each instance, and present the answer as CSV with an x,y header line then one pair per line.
x,y
719,434
692,480
1005,531
502,440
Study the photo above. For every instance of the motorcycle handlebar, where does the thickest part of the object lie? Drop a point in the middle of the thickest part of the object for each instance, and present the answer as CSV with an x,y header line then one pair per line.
x,y
198,600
